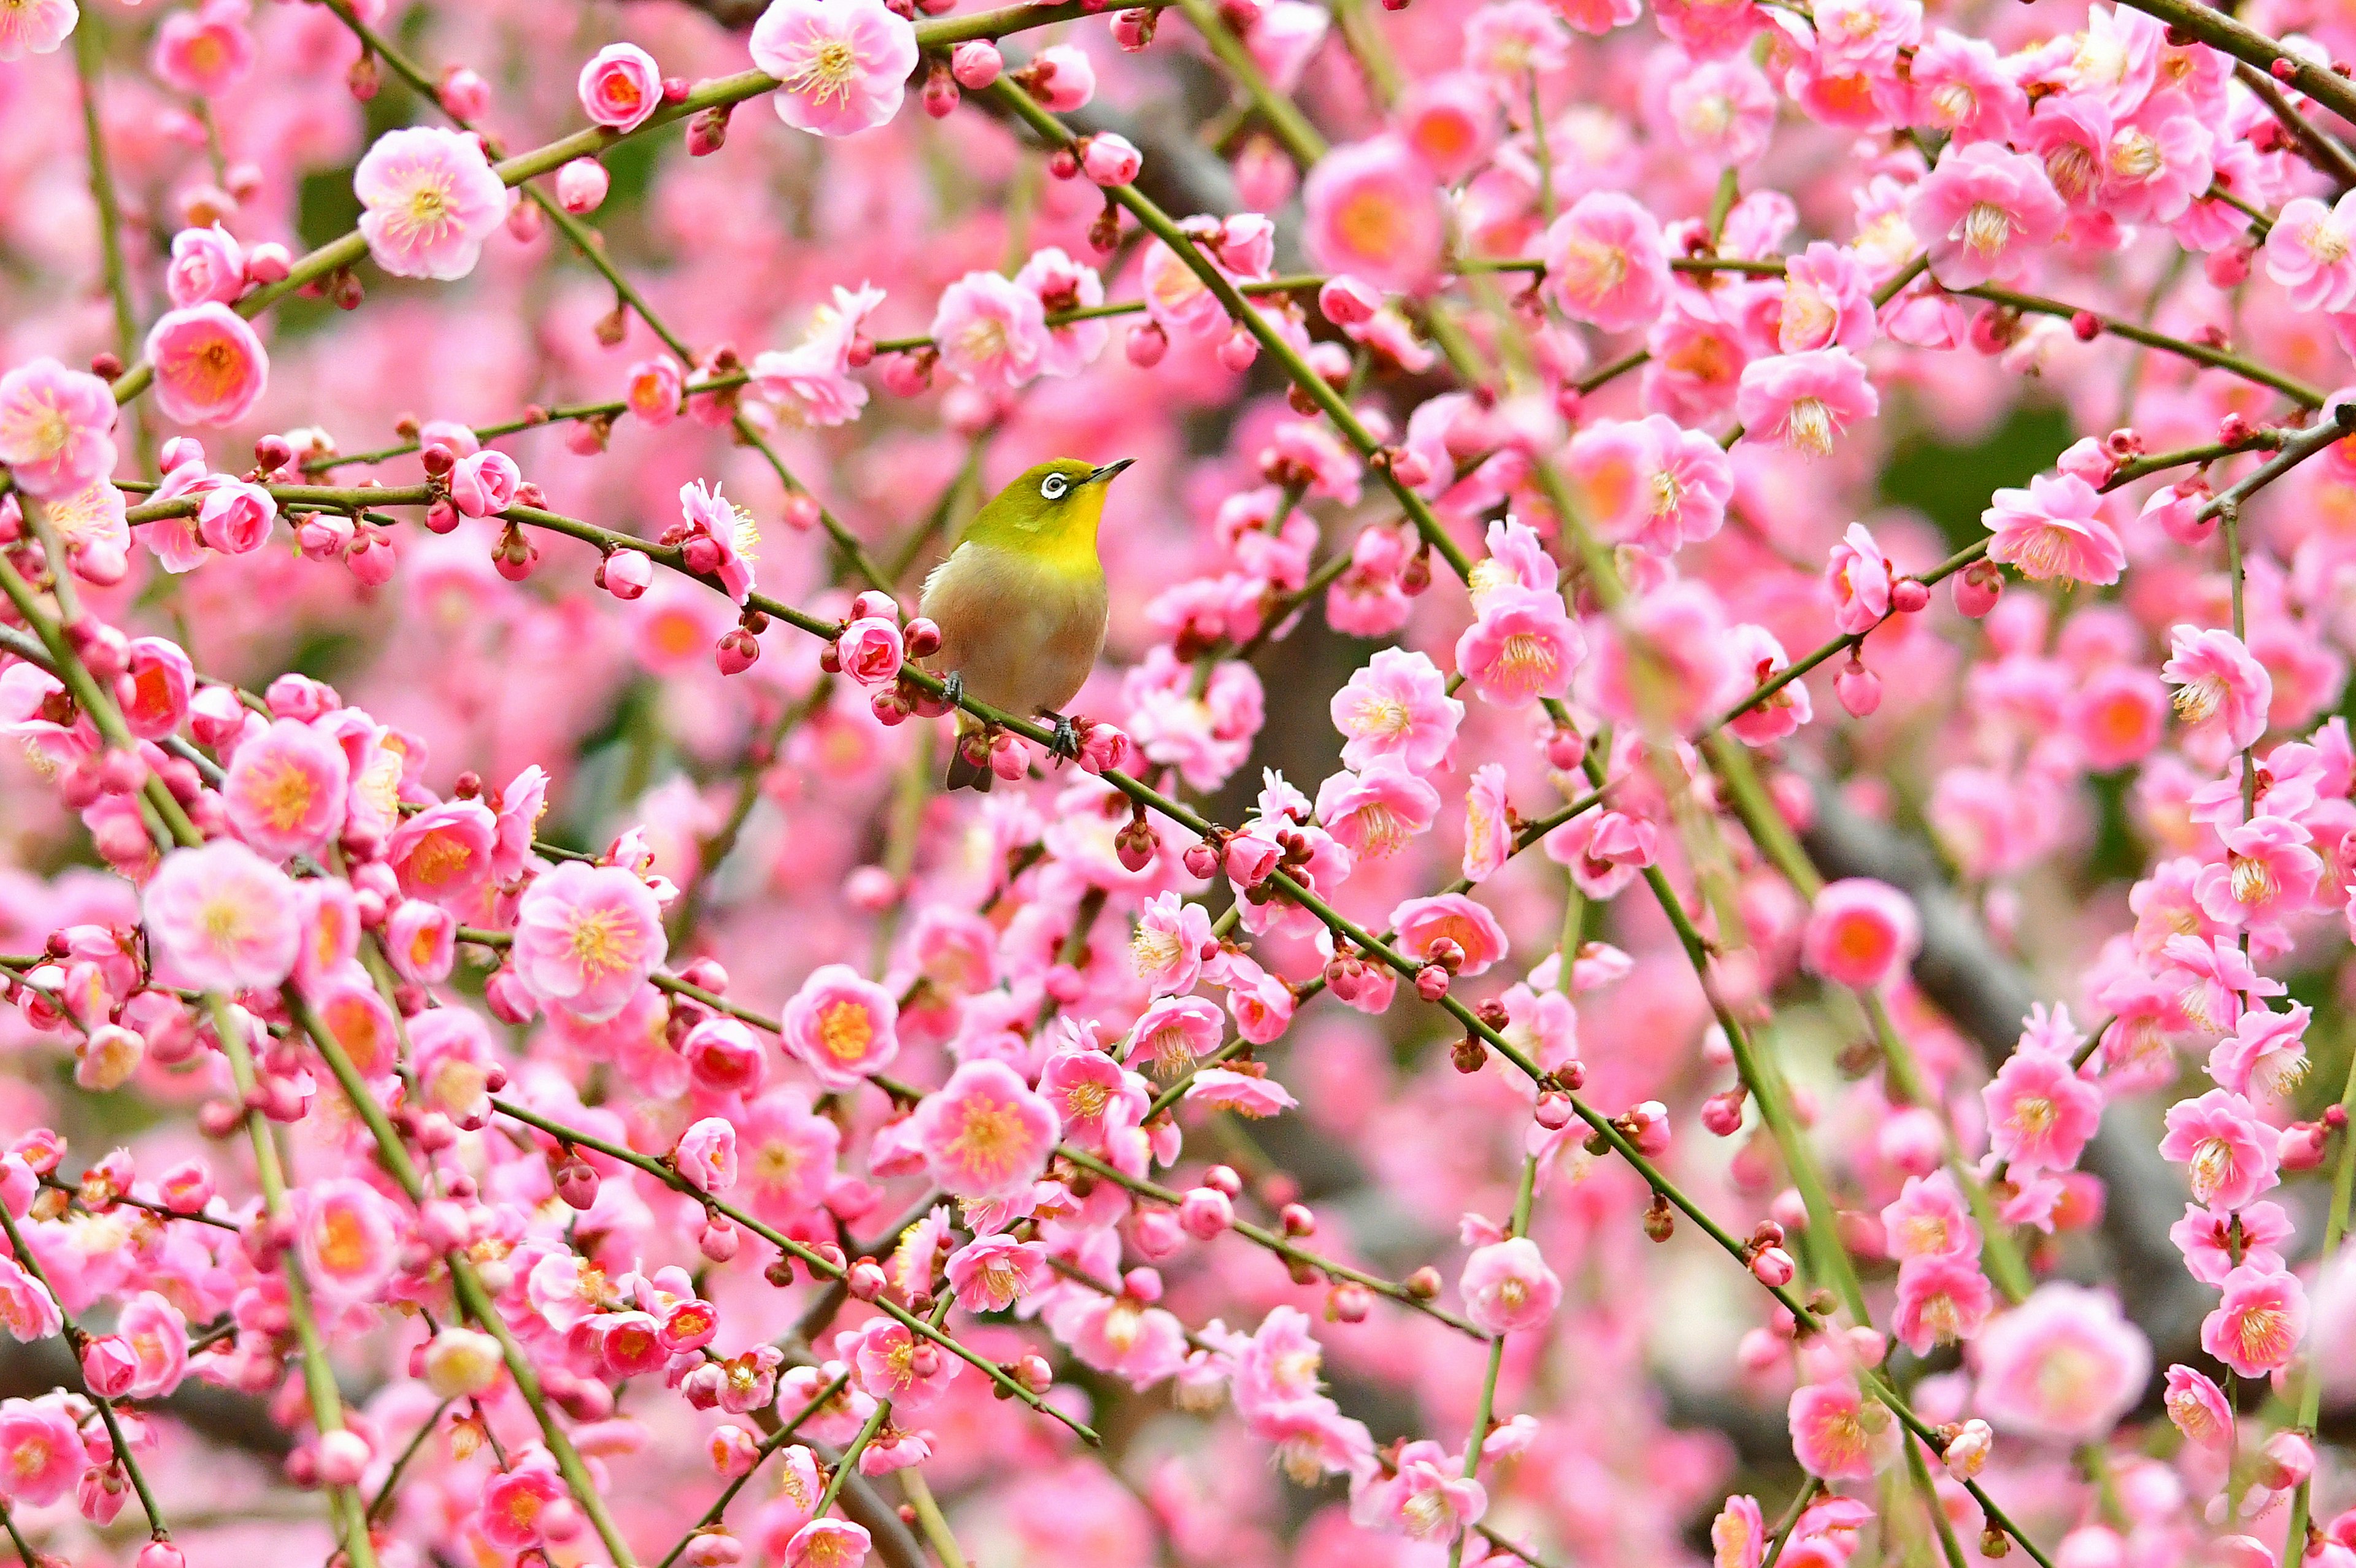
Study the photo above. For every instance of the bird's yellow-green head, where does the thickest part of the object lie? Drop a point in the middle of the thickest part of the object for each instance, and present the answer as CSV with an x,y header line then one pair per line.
x,y
1050,513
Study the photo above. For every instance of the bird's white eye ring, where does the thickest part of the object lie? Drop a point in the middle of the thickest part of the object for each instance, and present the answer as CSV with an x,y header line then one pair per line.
x,y
1054,486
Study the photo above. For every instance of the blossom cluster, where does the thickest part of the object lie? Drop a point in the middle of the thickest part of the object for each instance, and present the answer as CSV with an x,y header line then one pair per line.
x,y
1602,973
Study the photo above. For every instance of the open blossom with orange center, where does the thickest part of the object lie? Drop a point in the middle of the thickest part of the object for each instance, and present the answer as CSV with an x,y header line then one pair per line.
x,y
986,1133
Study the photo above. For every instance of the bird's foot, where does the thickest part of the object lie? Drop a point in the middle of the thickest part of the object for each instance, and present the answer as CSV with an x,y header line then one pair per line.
x,y
953,688
1065,745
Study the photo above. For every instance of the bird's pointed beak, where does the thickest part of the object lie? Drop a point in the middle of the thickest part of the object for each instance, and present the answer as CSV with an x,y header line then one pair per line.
x,y
1104,474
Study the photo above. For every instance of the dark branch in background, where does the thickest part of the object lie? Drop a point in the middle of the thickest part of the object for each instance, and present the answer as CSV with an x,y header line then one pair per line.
x,y
220,1415
1986,995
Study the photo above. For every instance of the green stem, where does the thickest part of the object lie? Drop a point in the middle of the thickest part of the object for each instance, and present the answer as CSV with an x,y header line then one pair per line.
x,y
1291,127
2335,1231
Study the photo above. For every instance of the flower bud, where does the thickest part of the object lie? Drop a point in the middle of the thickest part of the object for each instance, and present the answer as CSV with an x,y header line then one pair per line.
x,y
1111,160
1774,1266
737,651
1345,302
719,1240
576,1184
581,185
1238,350
865,1281
1967,1450
1977,588
1146,343
1206,1212
1858,689
1909,595
940,94
976,64
1349,1302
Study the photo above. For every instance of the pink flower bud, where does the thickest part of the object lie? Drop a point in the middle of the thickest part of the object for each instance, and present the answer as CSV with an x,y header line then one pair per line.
x,y
628,573
1146,343
1967,1451
161,1554
1977,588
737,651
581,185
1238,350
865,1281
1774,1267
1858,689
719,1240
465,93
1721,1114
976,64
1347,301
576,1184
1553,1111
1111,160
343,1458
1205,1213
109,1366
1431,982
267,263
1909,595
1349,1303
801,509
940,94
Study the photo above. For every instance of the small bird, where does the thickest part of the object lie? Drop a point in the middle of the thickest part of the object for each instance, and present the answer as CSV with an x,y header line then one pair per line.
x,y
1020,606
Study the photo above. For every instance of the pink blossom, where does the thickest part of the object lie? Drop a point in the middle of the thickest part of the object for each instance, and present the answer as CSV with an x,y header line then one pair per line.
x,y
1376,813
2055,529
157,1335
586,937
443,853
1422,923
209,367
2039,1111
54,422
718,538
1804,401
1929,1218
40,1449
1604,849
27,1306
985,1134
207,264
989,329
2265,1054
1739,1535
706,1155
2270,870
2257,1328
1982,213
620,86
2311,252
990,1274
1860,576
2228,1154
843,1027
1372,210
1837,1435
1397,705
516,1503
653,390
1605,261
827,1542
1489,836
894,1364
1426,1495
1941,1301
350,1238
1827,301
1724,111
2216,1242
1167,947
1175,1032
842,65
222,918
1861,933
483,484
205,52
36,26
1507,1287
1450,123
285,790
2218,684
2198,1408
1522,649
2063,1365
1242,1094
430,200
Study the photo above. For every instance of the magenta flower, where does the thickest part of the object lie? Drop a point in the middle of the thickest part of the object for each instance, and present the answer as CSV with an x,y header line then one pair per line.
x,y
209,367
41,1453
443,853
430,200
1371,209
286,789
1606,263
2216,1242
990,330
2063,1365
2270,870
842,65
1397,705
2218,684
1860,934
586,937
2257,1328
2228,1154
985,1134
1507,1287
2055,529
1982,213
1522,649
1804,400
620,87
2041,1113
2311,252
517,1501
222,918
843,1027
54,425
1839,1435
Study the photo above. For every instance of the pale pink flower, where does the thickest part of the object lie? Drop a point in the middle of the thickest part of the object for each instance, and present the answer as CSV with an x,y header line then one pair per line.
x,y
207,264
444,852
158,1337
1804,401
350,1238
842,65
54,422
1506,40
2064,1364
1604,849
1449,122
1723,111
653,387
2269,869
1858,575
586,937
430,200
1739,1535
1828,301
1861,933
1172,1034
235,517
1929,1218
1376,813
989,329
2198,1408
2218,684
483,484
1397,705
222,918
205,52
26,1308
1941,1300
1606,263
706,1155
1961,85
1371,209
827,1542
1839,1435
2228,1154
620,87
2311,252
1507,1287
1425,1496
1423,922
990,1274
2055,529
286,789
718,538
2265,1054
209,367
843,1027
2156,165
41,1453
1757,659
1167,948
34,27
1243,1094
1488,824
985,1134
1983,213
2039,1111
1522,649
786,1155
2257,1328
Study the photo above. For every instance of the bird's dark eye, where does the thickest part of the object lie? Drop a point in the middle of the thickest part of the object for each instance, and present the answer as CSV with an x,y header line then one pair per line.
x,y
1054,486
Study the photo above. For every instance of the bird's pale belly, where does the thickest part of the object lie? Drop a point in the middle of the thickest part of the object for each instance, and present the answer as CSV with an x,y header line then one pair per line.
x,y
1025,634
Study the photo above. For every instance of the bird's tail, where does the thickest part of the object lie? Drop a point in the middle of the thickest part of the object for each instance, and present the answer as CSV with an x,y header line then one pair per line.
x,y
965,770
